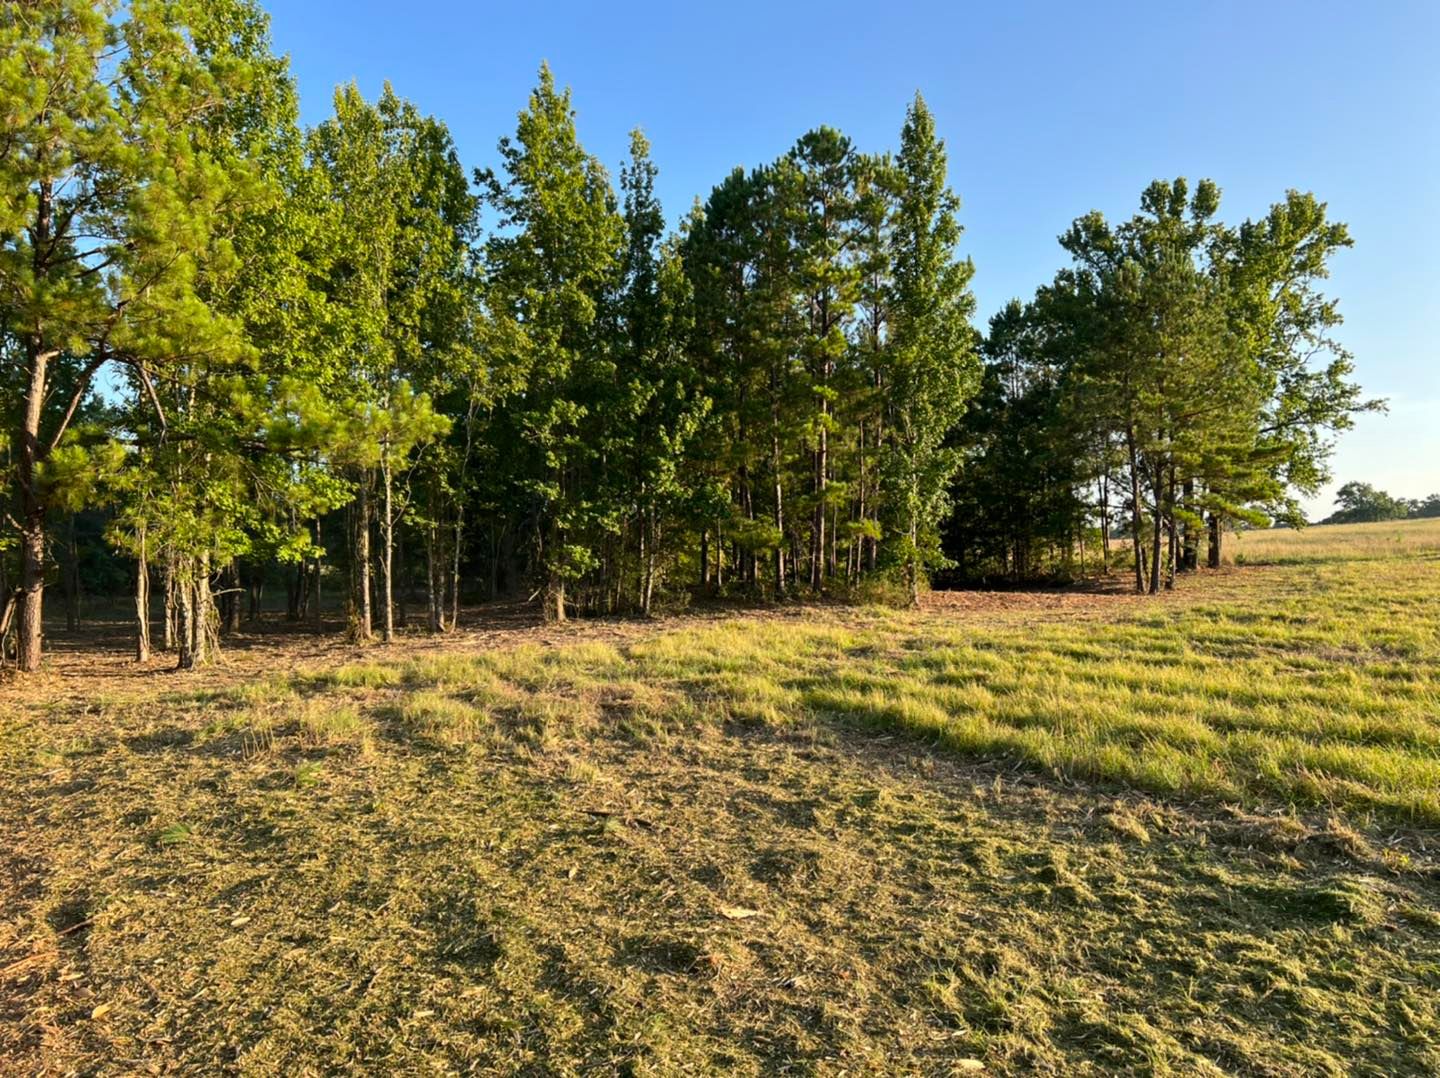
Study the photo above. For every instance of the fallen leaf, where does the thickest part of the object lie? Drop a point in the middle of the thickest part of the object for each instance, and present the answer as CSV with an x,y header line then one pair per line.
x,y
100,1011
970,1066
239,921
738,913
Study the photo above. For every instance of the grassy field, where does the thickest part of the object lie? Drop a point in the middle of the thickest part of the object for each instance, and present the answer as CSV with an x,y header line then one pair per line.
x,y
1331,542
1058,832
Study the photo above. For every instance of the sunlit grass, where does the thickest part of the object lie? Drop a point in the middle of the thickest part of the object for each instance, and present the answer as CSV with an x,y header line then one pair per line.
x,y
1333,542
1313,686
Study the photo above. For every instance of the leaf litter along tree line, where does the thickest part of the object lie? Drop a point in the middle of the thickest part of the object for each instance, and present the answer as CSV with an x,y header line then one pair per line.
x,y
236,349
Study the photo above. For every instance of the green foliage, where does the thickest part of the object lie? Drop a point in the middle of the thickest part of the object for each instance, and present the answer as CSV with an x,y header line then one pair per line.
x,y
253,347
557,256
1361,503
1163,386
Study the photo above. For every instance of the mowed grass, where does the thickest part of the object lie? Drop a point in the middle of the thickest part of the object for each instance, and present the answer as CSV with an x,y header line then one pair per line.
x,y
1195,835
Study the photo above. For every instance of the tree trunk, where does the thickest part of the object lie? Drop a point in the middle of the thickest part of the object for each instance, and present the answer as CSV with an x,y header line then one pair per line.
x,y
1158,525
912,559
1212,555
555,598
817,524
433,588
1136,513
362,560
172,611
204,621
1105,522
142,601
648,588
197,637
185,635
230,608
554,604
1190,560
319,568
779,512
455,570
30,634
387,558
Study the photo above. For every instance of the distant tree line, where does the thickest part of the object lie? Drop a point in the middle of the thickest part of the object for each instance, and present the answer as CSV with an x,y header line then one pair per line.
x,y
241,354
1361,503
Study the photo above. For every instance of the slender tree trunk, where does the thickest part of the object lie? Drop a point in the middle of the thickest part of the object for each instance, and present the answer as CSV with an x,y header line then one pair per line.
x,y
1212,555
455,569
318,576
1191,558
779,509
142,600
172,604
204,622
555,581
185,634
1105,521
387,555
1136,513
304,589
433,586
30,632
817,524
1172,531
1157,532
719,577
648,589
746,559
362,559
912,558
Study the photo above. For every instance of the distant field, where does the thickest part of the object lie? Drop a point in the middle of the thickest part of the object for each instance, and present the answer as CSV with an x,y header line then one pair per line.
x,y
1073,833
1330,542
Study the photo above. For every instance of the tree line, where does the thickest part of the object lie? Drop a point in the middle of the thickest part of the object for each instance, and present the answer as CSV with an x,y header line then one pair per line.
x,y
1363,503
241,352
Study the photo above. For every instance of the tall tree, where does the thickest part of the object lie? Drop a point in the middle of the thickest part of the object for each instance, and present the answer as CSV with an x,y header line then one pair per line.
x,y
555,257
107,205
932,367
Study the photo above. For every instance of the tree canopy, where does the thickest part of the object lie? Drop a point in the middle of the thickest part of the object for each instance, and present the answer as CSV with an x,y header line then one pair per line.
x,y
338,362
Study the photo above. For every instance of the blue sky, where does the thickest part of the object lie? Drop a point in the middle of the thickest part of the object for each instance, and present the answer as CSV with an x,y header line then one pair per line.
x,y
1049,110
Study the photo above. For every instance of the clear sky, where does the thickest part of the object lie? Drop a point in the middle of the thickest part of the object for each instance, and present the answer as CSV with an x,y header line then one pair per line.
x,y
1048,109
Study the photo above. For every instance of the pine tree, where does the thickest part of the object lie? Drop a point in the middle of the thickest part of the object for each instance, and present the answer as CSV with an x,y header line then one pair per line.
x,y
555,258
932,368
107,209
